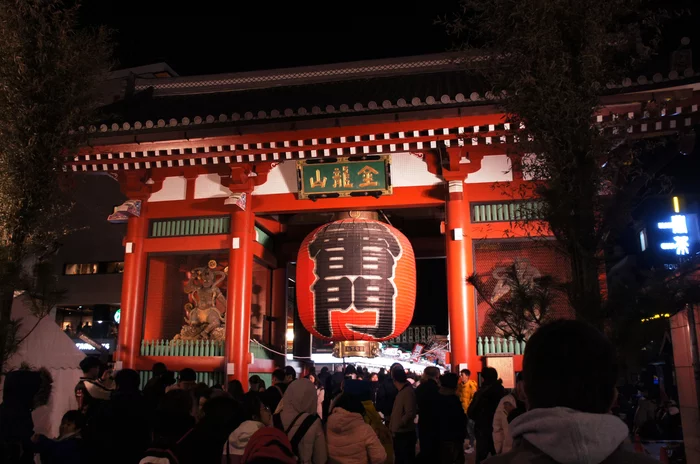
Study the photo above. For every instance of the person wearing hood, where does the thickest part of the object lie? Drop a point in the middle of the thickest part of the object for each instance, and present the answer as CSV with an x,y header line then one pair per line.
x,y
350,439
568,420
482,409
298,420
255,416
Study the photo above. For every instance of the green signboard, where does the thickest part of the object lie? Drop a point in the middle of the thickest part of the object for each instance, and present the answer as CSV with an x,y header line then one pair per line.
x,y
343,177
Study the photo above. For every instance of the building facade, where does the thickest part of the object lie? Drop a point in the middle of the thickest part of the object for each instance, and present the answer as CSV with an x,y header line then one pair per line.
x,y
213,168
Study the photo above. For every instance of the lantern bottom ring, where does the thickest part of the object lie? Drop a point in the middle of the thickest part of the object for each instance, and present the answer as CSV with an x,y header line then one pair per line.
x,y
363,349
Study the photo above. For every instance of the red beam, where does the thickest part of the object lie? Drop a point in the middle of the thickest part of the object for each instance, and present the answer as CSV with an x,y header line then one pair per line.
x,y
501,230
264,255
197,243
177,363
403,197
270,225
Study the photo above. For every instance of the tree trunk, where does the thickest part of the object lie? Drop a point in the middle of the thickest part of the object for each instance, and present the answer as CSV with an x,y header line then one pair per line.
x,y
584,295
6,300
9,279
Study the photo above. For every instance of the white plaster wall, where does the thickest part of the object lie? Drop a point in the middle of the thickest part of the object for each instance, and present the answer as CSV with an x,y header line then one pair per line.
x,y
281,179
408,170
494,168
174,188
209,186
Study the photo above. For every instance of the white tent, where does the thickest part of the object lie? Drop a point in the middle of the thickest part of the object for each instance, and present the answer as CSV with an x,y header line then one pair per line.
x,y
49,347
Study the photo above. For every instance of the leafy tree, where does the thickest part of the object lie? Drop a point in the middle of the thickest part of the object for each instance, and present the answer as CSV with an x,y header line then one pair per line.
x,y
550,62
527,305
50,71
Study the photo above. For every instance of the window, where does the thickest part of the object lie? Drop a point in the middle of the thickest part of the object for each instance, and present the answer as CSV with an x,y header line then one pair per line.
x,y
107,267
114,267
643,239
81,269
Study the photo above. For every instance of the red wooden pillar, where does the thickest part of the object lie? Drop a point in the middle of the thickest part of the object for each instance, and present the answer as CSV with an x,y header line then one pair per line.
x,y
133,291
279,309
240,280
460,265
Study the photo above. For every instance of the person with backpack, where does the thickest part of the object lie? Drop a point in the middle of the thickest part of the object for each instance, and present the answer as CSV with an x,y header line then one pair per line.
x,y
91,391
269,445
298,420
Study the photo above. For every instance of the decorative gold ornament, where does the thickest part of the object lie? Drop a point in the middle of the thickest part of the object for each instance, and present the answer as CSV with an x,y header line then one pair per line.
x,y
212,264
363,349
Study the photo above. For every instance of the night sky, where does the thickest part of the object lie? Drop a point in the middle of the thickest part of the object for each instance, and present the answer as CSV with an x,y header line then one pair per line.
x,y
207,40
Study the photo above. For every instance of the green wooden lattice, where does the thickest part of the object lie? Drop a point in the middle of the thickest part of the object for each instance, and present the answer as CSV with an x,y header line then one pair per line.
x,y
183,227
507,211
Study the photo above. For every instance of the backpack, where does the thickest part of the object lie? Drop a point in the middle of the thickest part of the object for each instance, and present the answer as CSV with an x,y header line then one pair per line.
x,y
301,431
269,444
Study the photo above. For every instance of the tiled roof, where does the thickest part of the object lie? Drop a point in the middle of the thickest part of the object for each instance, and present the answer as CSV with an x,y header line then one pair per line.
x,y
395,85
371,94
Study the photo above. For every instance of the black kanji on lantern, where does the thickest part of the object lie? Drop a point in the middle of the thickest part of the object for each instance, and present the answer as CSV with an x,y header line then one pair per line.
x,y
354,264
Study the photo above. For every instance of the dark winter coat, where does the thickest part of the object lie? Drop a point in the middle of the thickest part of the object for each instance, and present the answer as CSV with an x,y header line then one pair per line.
x,y
483,408
386,394
452,423
122,427
67,450
427,397
16,425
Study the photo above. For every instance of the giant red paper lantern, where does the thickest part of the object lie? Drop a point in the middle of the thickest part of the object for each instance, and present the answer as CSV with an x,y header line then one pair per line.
x,y
356,280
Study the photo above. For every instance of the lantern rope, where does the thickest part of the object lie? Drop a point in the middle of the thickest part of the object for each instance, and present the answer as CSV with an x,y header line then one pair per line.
x,y
276,352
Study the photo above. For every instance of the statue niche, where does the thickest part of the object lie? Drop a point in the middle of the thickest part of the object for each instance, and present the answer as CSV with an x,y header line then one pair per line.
x,y
204,313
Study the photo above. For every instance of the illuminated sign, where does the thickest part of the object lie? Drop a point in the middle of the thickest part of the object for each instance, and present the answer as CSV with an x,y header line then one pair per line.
x,y
678,224
683,231
118,316
679,228
89,347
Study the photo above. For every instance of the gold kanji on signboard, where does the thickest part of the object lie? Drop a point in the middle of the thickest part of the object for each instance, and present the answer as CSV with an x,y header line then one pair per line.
x,y
368,174
318,182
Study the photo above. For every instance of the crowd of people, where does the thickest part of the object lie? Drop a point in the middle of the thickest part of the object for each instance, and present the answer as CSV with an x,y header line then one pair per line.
x,y
558,412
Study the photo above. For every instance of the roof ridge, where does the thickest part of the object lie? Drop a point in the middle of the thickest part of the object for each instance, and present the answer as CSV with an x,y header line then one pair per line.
x,y
309,74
